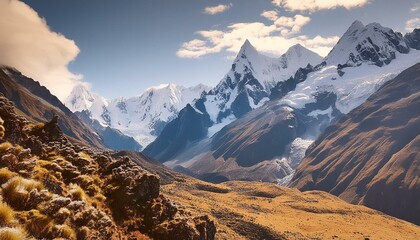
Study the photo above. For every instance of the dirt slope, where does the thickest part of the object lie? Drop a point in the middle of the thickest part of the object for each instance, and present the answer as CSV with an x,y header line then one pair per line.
x,y
253,210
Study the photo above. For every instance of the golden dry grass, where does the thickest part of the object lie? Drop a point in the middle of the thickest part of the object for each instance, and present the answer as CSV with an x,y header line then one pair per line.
x,y
12,234
249,210
6,215
65,232
5,146
6,175
38,225
16,190
77,193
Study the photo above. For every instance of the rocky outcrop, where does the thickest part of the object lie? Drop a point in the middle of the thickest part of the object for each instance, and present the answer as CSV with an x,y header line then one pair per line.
x,y
59,189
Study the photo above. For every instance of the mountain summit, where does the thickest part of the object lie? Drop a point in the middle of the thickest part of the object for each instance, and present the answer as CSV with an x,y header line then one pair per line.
x,y
372,43
245,87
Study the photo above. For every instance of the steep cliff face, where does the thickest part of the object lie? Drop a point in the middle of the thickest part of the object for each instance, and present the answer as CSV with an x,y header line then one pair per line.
x,y
52,188
371,156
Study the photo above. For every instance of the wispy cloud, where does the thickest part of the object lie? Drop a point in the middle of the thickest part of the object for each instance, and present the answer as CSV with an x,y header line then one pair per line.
x,y
411,24
316,5
217,9
415,7
28,44
274,38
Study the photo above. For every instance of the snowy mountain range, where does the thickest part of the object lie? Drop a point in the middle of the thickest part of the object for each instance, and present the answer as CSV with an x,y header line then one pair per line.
x,y
245,87
141,117
232,132
248,84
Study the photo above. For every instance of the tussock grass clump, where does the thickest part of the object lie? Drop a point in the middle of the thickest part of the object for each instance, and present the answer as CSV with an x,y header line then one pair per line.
x,y
16,191
83,180
83,232
4,147
85,156
39,225
12,234
31,127
64,231
6,175
77,193
62,215
7,215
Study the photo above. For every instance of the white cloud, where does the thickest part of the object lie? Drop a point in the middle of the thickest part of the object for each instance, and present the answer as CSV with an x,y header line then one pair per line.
x,y
315,5
28,44
217,9
415,8
270,15
275,38
411,24
291,25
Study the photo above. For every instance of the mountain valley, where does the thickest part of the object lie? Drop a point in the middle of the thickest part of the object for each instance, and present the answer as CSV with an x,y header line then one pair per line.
x,y
177,120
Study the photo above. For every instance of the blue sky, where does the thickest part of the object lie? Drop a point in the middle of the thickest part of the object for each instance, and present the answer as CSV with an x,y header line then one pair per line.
x,y
127,46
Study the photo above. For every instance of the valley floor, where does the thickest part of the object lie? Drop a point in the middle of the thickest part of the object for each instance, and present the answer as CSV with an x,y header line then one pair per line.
x,y
253,210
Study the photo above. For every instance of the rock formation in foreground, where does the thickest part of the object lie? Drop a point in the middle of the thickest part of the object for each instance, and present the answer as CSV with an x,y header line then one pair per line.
x,y
53,188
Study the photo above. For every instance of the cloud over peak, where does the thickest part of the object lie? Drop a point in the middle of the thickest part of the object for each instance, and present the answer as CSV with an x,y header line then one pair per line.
x,y
316,5
217,9
28,44
274,38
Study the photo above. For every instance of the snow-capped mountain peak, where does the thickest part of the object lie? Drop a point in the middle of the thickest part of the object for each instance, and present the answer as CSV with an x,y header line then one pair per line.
x,y
372,43
268,70
141,117
81,98
298,55
247,51
249,82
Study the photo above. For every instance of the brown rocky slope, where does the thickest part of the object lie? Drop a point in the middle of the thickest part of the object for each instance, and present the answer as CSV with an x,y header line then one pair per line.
x,y
372,155
36,103
52,188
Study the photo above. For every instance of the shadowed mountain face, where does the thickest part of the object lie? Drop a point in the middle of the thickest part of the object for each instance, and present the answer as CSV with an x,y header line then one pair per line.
x,y
111,137
371,156
190,126
261,135
37,103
